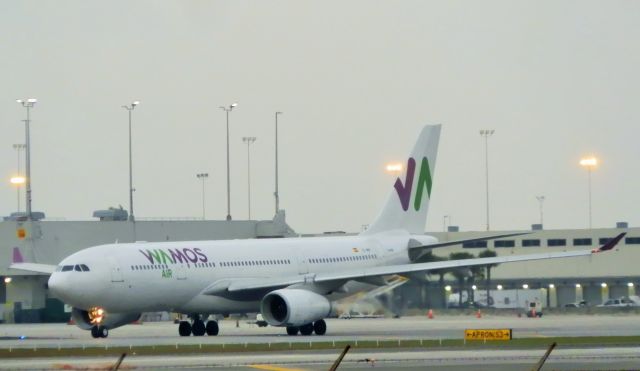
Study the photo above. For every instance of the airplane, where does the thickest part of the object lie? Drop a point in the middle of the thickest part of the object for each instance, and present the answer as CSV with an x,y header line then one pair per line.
x,y
292,282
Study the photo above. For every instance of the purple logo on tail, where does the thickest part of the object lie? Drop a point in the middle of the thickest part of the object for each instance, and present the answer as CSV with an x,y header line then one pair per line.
x,y
424,180
404,191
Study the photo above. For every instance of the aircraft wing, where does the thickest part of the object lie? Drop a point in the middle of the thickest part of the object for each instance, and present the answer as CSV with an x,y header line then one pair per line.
x,y
34,267
417,252
460,242
355,274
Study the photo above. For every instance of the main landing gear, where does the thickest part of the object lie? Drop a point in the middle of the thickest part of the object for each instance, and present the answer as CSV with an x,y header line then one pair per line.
x,y
319,327
99,331
197,327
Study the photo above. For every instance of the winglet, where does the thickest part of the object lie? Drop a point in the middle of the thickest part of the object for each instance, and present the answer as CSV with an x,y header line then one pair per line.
x,y
609,245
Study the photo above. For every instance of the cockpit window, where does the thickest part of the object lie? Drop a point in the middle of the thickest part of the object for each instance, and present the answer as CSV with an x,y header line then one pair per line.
x,y
67,268
77,268
84,268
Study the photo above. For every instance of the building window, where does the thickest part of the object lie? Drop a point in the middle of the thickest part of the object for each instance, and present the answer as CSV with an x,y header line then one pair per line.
x,y
504,243
530,243
556,242
582,242
604,240
632,240
475,245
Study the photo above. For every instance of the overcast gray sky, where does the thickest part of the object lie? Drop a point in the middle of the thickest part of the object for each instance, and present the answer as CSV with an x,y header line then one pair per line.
x,y
356,80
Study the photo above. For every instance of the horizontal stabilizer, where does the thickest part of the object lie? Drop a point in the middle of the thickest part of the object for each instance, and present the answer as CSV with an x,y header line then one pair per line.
x,y
34,267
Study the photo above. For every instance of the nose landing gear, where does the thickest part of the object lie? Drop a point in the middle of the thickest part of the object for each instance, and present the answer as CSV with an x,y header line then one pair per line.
x,y
99,331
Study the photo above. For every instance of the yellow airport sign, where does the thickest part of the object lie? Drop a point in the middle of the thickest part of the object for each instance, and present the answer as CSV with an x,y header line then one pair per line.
x,y
487,334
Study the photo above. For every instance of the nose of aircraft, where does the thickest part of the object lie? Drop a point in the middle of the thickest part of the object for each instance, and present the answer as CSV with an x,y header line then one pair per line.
x,y
58,287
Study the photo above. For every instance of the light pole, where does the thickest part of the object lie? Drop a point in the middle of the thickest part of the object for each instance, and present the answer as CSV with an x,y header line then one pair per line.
x,y
541,202
276,194
486,134
130,108
203,177
444,223
28,104
227,110
249,141
590,163
19,180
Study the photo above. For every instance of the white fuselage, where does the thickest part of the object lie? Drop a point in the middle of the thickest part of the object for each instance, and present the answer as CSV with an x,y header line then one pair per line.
x,y
142,277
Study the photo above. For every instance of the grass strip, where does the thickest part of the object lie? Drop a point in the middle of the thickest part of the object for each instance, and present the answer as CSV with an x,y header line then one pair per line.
x,y
150,350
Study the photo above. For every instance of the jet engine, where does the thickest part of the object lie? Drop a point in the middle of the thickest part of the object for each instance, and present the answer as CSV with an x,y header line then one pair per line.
x,y
86,319
294,307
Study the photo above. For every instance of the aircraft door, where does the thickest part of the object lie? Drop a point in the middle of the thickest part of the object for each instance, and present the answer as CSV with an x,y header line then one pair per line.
x,y
303,266
116,271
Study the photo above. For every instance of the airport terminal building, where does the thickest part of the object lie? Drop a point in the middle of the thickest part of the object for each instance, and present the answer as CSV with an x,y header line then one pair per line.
x,y
24,296
593,278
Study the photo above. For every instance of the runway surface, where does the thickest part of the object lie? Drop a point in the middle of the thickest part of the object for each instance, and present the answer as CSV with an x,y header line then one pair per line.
x,y
561,359
441,327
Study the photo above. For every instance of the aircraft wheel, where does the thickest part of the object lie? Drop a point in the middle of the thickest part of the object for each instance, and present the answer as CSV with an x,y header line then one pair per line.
x,y
94,332
292,330
103,332
306,329
184,328
198,329
212,328
320,327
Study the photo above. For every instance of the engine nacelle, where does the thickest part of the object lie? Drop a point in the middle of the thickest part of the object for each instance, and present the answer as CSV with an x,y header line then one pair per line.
x,y
294,307
96,316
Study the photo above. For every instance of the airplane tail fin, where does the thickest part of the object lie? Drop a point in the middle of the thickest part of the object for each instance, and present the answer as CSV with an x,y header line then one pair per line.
x,y
408,202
